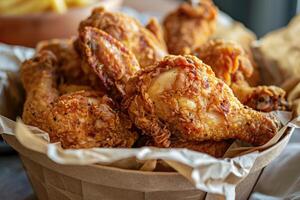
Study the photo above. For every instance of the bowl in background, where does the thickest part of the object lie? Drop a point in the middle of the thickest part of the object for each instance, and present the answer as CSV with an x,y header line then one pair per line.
x,y
28,30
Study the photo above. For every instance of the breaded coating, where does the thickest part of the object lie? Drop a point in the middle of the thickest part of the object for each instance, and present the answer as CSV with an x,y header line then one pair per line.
x,y
262,98
85,119
215,149
225,58
189,26
181,96
231,64
109,58
71,68
81,119
154,26
144,45
38,76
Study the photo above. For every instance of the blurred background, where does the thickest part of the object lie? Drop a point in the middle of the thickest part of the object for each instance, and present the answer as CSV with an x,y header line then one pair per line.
x,y
261,16
25,22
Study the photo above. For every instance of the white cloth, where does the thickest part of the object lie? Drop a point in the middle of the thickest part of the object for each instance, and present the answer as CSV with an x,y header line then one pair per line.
x,y
281,179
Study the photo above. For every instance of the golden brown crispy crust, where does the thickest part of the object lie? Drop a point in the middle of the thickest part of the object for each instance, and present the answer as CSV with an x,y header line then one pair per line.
x,y
262,98
192,104
144,45
110,60
230,63
189,26
154,27
81,119
71,68
84,119
38,78
225,58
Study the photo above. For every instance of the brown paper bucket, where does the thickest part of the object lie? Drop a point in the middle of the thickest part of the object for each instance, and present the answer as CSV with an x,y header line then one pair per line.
x,y
64,182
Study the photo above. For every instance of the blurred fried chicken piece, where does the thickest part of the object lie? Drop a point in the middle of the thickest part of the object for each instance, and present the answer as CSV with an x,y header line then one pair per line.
x,y
71,68
144,45
181,96
109,58
189,26
81,119
231,64
154,26
262,98
225,58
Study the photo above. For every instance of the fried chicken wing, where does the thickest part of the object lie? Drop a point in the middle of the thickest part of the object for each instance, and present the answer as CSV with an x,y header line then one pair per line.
x,y
231,64
81,119
189,26
109,58
144,45
181,96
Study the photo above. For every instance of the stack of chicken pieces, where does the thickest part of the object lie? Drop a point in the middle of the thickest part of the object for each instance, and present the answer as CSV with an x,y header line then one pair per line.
x,y
120,84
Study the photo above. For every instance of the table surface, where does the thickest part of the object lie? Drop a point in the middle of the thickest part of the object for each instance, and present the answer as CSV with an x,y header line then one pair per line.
x,y
14,184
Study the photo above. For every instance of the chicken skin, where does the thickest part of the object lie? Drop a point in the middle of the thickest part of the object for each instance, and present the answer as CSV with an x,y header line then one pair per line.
x,y
37,76
189,26
231,64
81,119
72,70
225,59
181,96
139,40
154,26
109,58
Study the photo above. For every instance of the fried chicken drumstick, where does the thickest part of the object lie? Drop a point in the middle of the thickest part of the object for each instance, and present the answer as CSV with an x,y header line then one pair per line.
x,y
182,96
231,64
189,26
82,119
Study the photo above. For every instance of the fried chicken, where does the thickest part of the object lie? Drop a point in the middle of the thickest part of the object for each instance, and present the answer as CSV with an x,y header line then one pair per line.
x,y
154,26
181,96
81,119
143,43
109,58
262,98
231,64
85,119
71,68
189,26
38,79
225,58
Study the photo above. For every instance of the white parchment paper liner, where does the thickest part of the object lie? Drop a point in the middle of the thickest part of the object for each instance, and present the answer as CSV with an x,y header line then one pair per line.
x,y
219,176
